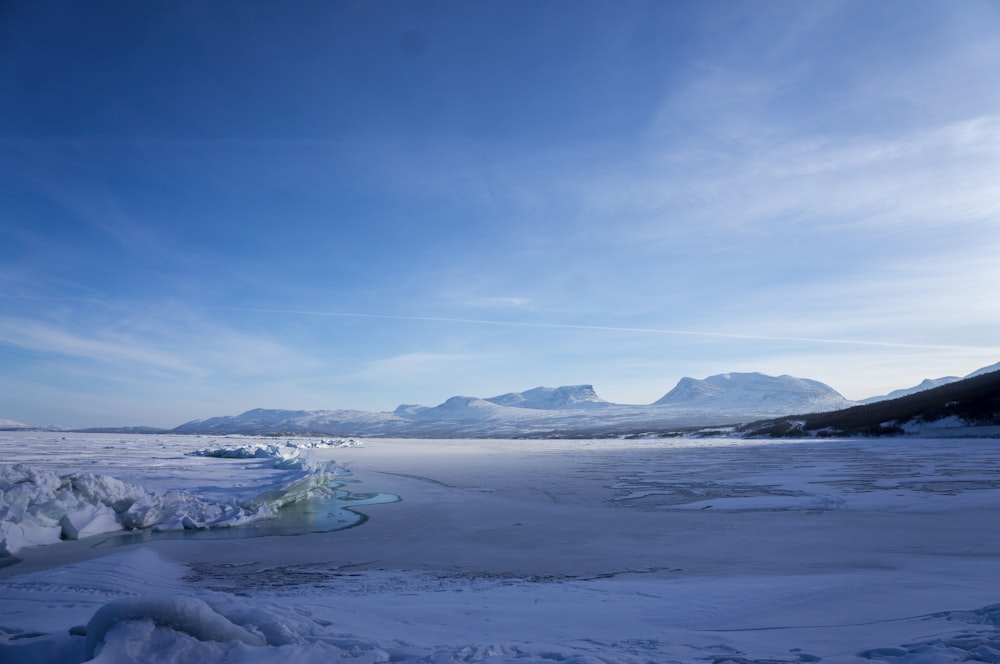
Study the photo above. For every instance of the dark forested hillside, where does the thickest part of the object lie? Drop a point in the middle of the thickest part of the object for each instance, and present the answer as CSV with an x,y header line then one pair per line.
x,y
974,401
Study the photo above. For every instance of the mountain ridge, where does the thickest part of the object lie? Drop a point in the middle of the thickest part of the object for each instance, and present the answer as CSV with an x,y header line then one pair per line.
x,y
969,403
565,411
549,398
929,384
722,401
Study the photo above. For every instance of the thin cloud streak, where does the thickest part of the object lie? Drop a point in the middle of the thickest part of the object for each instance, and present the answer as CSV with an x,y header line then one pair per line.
x,y
609,328
173,342
37,337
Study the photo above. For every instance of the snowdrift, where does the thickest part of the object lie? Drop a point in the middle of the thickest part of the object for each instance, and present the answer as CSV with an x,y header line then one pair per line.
x,y
169,629
39,506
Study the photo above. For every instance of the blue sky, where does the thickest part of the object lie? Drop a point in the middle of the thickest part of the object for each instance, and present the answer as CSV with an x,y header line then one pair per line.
x,y
211,207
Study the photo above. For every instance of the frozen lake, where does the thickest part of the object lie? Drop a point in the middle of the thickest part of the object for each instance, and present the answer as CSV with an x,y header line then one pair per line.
x,y
538,551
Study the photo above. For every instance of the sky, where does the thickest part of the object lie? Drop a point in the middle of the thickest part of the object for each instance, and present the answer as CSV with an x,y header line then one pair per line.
x,y
207,207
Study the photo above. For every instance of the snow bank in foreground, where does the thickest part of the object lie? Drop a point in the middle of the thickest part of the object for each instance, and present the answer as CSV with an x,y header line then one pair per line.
x,y
169,629
39,506
213,628
224,629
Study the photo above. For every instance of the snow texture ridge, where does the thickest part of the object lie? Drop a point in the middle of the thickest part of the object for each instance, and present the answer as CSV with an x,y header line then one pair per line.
x,y
286,454
985,370
39,506
925,384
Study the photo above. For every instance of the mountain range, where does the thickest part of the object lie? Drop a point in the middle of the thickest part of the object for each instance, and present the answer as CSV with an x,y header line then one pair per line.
x,y
566,412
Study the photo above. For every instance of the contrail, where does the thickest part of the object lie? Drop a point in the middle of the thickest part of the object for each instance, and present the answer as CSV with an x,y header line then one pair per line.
x,y
609,328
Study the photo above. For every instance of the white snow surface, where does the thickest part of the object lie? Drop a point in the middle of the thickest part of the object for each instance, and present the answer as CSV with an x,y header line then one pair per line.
x,y
534,552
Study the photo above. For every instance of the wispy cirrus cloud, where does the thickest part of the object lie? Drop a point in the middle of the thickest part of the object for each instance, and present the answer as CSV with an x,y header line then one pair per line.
x,y
502,301
930,177
178,344
115,348
406,367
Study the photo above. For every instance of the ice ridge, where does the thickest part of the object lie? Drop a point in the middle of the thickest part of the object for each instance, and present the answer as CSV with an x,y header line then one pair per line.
x,y
40,506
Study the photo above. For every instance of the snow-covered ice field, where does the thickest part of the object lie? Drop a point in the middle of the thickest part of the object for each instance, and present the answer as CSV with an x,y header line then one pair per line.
x,y
515,551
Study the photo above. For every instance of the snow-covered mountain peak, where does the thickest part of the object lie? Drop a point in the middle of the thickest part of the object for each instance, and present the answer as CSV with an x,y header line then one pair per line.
x,y
690,389
723,378
408,409
457,409
552,398
737,391
751,379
